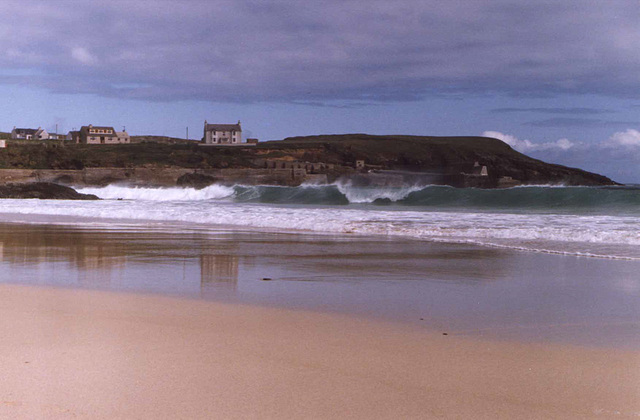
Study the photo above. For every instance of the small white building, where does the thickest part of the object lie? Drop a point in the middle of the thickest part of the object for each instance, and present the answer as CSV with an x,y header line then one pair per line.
x,y
222,134
29,134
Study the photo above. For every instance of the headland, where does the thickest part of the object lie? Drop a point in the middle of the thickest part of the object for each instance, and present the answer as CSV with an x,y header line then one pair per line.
x,y
392,160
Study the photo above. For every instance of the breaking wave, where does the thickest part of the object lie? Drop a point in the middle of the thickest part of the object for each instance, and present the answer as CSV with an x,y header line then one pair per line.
x,y
596,222
610,235
113,192
624,200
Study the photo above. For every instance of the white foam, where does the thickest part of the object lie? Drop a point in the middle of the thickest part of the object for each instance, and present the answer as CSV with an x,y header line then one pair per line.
x,y
369,195
609,236
160,194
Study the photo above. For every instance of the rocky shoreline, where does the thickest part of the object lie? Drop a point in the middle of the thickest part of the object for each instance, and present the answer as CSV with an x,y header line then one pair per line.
x,y
43,190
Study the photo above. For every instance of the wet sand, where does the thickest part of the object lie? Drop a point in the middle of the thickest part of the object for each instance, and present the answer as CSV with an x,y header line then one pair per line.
x,y
96,354
463,290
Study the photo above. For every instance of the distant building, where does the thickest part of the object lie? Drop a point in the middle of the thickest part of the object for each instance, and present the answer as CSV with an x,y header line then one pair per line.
x,y
479,170
123,137
29,134
90,134
74,136
222,134
3,144
252,141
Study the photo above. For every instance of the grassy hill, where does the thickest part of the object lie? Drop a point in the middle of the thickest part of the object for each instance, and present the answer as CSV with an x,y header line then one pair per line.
x,y
444,155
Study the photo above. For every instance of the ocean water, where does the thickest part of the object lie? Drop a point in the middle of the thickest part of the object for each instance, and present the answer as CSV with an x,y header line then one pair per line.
x,y
580,221
534,263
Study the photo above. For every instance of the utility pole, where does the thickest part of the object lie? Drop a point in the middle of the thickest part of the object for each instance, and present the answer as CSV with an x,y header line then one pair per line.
x,y
187,133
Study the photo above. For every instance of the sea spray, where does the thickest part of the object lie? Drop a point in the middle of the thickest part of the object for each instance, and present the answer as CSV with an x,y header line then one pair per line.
x,y
356,194
602,222
213,192
541,199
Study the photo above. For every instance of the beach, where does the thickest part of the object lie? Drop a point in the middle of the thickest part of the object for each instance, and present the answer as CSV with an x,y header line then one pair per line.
x,y
127,309
95,354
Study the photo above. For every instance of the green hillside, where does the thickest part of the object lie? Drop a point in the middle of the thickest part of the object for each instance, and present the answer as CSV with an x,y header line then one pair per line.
x,y
448,156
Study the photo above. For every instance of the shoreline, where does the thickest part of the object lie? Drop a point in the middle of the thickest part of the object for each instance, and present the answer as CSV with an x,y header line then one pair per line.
x,y
455,288
103,355
535,246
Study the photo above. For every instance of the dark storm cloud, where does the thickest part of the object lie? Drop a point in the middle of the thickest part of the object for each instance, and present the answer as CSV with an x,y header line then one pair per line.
x,y
248,51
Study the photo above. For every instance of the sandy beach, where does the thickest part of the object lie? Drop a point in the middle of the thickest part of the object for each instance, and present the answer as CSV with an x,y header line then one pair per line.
x,y
96,354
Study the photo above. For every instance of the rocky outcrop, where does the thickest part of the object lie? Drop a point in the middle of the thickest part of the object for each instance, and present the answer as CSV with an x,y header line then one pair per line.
x,y
43,190
196,180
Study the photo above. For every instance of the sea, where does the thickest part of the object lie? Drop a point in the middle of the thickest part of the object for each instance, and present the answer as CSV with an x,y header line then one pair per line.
x,y
538,263
598,222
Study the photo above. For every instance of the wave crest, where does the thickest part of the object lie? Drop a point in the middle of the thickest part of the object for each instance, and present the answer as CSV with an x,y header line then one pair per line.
x,y
113,192
533,198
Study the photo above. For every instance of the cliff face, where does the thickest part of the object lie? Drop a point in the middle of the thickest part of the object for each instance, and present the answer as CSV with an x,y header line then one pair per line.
x,y
385,159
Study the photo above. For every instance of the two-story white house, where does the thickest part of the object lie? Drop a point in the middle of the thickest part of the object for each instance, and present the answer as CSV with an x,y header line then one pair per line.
x,y
222,134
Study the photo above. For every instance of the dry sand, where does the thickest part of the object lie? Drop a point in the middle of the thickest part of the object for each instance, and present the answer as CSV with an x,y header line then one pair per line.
x,y
89,354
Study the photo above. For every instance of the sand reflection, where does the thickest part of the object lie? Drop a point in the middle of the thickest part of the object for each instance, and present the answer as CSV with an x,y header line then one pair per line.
x,y
219,272
117,259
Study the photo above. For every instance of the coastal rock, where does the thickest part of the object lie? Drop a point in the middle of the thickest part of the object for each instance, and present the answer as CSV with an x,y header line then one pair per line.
x,y
43,190
195,180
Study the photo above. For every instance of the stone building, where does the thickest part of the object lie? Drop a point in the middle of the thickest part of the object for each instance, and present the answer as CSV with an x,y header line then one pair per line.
x,y
222,134
90,134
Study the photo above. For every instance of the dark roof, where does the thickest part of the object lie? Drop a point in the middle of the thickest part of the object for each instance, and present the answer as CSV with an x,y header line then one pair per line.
x,y
85,130
26,130
222,127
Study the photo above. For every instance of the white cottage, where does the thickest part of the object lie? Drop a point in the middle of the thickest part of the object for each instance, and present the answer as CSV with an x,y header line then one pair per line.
x,y
222,134
29,133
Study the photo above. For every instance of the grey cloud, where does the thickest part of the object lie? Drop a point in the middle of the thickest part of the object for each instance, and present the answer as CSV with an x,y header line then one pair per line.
x,y
250,51
579,122
617,156
573,111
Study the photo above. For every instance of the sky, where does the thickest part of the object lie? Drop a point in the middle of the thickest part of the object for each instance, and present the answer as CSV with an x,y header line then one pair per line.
x,y
558,80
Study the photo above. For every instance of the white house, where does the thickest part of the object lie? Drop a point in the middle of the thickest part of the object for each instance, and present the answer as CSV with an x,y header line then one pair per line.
x,y
222,134
29,134
90,134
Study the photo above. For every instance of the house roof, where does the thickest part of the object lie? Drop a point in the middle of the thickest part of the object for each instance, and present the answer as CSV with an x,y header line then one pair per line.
x,y
222,127
26,130
85,130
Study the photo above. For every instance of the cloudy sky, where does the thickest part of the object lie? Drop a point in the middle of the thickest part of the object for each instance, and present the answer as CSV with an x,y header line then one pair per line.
x,y
558,80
